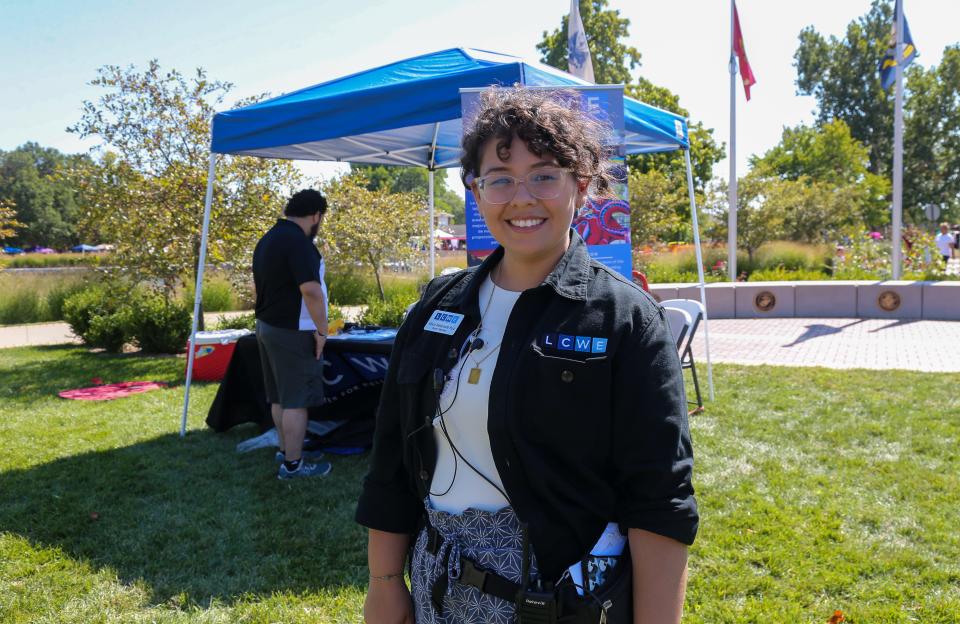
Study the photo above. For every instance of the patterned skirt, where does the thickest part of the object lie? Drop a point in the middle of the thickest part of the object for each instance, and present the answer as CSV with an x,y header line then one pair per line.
x,y
492,540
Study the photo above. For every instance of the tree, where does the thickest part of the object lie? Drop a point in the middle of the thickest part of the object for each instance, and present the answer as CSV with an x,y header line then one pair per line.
x,y
373,226
658,209
399,179
931,152
613,63
8,222
801,209
829,157
842,75
612,59
33,179
145,190
756,224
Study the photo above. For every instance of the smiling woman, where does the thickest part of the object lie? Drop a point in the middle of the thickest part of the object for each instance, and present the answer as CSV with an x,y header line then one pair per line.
x,y
540,143
532,430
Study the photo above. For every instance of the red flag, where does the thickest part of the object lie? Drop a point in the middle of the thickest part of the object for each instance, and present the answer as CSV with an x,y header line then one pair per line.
x,y
746,74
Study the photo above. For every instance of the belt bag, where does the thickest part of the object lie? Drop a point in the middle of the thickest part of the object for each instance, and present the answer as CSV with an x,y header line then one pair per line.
x,y
611,603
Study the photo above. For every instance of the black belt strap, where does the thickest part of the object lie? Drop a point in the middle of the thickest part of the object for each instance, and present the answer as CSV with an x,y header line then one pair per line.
x,y
487,582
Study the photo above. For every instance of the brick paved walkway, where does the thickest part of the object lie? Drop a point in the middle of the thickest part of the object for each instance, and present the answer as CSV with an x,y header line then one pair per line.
x,y
932,346
834,343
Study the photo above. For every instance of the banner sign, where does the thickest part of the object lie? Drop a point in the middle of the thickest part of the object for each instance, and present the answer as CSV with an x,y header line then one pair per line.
x,y
603,223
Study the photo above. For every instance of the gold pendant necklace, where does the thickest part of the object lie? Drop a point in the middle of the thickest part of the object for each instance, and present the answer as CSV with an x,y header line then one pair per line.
x,y
474,376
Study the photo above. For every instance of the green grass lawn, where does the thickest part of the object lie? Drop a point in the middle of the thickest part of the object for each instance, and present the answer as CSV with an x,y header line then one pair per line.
x,y
819,490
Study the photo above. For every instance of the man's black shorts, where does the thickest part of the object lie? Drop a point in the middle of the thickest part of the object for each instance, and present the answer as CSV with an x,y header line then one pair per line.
x,y
292,375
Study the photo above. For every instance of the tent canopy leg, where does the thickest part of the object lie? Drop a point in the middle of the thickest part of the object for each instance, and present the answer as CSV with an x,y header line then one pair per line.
x,y
198,293
703,292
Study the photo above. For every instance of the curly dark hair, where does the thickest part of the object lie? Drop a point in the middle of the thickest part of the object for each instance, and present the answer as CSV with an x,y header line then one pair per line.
x,y
306,203
548,121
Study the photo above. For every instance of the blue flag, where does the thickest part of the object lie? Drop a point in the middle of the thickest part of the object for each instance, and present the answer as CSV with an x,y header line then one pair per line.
x,y
888,65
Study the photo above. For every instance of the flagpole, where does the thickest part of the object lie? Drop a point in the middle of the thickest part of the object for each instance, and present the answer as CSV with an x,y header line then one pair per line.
x,y
732,188
898,147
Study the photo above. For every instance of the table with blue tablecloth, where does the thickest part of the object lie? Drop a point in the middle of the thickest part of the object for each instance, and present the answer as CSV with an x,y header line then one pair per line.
x,y
355,364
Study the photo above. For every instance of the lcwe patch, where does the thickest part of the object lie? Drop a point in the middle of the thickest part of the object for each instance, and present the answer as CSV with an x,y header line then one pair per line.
x,y
580,344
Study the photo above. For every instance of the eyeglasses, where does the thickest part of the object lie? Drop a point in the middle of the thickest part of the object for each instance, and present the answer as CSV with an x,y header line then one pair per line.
x,y
499,188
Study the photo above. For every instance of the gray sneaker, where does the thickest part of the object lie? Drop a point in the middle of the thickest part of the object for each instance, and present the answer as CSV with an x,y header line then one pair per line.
x,y
306,469
307,455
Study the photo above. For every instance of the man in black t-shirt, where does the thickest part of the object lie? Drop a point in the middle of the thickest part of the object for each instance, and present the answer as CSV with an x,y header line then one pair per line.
x,y
291,313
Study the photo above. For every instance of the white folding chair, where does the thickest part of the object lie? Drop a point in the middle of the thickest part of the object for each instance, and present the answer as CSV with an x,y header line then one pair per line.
x,y
694,311
680,323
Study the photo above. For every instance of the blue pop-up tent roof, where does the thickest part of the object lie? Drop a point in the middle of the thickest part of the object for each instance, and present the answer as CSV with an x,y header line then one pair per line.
x,y
405,113
395,114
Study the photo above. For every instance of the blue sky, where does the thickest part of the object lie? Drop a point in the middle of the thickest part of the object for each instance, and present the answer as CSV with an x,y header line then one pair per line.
x,y
51,49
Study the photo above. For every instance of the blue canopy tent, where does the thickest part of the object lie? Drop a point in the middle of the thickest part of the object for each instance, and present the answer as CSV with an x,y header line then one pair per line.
x,y
404,113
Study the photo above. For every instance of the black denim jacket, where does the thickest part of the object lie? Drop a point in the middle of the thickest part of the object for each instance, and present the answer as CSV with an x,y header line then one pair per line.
x,y
587,412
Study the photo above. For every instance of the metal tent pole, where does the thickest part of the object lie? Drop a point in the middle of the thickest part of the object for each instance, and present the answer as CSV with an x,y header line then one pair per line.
x,y
703,291
431,165
198,294
433,245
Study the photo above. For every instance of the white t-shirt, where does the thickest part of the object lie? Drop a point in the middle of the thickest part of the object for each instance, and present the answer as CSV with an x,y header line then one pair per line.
x,y
943,243
306,321
464,410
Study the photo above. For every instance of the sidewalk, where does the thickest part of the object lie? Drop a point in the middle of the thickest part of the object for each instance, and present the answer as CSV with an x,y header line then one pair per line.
x,y
41,334
930,346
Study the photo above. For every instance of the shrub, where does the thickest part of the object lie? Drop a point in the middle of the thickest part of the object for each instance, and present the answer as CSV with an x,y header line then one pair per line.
x,y
782,274
681,266
791,256
868,256
107,331
349,286
45,261
217,295
36,297
58,294
249,321
157,324
22,305
403,287
387,313
82,307
242,321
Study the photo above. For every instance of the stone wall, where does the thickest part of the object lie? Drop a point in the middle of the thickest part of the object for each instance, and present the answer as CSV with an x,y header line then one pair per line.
x,y
826,299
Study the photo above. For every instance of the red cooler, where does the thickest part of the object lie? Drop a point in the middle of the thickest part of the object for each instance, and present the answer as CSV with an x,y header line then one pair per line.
x,y
213,352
